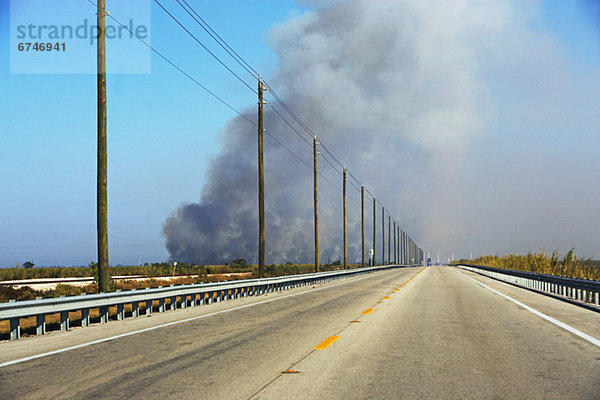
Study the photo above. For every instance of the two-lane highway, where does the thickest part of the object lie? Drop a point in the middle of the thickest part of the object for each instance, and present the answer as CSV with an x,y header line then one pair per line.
x,y
408,333
447,337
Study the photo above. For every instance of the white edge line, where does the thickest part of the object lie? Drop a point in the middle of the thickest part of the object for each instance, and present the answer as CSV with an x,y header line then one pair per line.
x,y
566,327
79,346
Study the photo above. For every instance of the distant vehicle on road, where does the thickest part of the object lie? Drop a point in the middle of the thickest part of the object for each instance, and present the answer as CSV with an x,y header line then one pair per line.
x,y
429,261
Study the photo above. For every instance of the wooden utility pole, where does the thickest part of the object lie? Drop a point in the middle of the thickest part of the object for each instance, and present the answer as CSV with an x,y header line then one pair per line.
x,y
382,235
374,227
101,183
395,245
398,243
396,258
261,185
406,257
345,226
389,238
362,220
316,206
402,247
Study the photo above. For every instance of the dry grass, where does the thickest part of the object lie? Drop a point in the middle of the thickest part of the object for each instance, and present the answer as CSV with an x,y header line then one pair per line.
x,y
28,325
217,274
569,266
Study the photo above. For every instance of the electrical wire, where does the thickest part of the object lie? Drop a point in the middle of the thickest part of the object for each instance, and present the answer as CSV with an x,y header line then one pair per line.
x,y
240,60
332,166
288,150
326,153
221,41
207,90
290,125
204,47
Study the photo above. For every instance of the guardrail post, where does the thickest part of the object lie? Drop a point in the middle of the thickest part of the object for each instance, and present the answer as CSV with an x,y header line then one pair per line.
x,y
184,301
135,309
103,314
120,312
40,324
173,305
148,307
15,328
193,301
64,321
85,317
161,305
597,298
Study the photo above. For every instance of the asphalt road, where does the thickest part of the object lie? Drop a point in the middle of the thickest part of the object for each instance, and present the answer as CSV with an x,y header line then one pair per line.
x,y
432,333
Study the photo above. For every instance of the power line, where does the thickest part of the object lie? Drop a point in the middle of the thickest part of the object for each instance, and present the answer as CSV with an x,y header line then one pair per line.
x,y
290,125
288,150
207,90
204,47
221,41
329,162
240,60
327,154
290,112
332,156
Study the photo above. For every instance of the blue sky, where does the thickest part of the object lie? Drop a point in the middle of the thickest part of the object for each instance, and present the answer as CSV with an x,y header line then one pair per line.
x,y
163,130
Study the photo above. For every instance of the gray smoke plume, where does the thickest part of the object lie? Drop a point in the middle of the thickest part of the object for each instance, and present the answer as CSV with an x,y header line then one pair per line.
x,y
394,89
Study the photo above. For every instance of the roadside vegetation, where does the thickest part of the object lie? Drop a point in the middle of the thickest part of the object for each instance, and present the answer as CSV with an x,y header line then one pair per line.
x,y
569,266
155,269
160,269
185,274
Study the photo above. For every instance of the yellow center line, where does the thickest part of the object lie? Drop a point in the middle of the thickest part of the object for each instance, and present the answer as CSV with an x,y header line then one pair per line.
x,y
368,311
386,297
327,342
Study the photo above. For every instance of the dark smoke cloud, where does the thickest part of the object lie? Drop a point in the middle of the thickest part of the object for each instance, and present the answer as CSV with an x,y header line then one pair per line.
x,y
400,91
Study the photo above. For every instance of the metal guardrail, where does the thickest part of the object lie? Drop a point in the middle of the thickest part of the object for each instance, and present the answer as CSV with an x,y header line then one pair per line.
x,y
576,289
179,296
